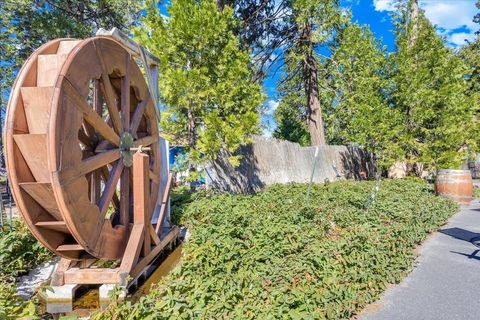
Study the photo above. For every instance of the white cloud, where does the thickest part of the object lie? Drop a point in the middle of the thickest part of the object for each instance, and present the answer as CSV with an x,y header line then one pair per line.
x,y
458,39
272,105
450,15
384,5
453,19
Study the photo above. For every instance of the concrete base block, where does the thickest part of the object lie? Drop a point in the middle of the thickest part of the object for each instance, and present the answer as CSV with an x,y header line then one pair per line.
x,y
105,294
60,299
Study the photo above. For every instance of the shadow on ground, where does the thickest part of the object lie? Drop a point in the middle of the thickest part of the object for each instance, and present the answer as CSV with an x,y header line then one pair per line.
x,y
465,235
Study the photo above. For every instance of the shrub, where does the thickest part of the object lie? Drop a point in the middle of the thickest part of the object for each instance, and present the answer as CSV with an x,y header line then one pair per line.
x,y
19,253
275,255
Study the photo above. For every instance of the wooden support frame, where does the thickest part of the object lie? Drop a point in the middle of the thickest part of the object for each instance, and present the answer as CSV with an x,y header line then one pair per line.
x,y
144,243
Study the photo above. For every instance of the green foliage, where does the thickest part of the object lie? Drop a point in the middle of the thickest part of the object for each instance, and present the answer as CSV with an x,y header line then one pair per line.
x,y
358,112
206,84
19,250
19,253
291,112
273,255
431,92
11,305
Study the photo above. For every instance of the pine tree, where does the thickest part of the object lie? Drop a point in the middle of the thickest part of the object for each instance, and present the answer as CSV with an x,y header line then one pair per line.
x,y
430,90
210,100
359,111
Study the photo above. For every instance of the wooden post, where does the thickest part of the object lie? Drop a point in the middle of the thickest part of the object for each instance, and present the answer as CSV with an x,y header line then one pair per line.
x,y
141,196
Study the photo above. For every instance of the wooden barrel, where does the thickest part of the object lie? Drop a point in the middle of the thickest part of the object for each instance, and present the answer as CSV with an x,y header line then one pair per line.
x,y
455,184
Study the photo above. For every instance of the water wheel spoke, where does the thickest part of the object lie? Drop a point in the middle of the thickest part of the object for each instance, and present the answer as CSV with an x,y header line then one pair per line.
x,y
85,139
125,197
110,187
137,116
103,146
145,141
90,115
97,98
111,100
104,174
95,186
153,177
90,164
125,96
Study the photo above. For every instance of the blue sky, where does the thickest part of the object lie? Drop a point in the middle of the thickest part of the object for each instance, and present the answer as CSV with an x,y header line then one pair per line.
x,y
453,19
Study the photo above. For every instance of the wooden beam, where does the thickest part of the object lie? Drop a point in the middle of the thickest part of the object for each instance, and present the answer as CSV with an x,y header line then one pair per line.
x,y
125,96
137,115
163,205
57,276
125,197
109,94
89,114
89,165
110,187
132,251
155,251
145,141
91,276
141,196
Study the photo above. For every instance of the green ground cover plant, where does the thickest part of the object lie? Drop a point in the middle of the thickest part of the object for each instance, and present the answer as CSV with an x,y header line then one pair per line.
x,y
19,253
277,254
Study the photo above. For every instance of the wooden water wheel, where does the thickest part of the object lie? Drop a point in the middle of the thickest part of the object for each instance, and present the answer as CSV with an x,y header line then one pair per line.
x,y
76,109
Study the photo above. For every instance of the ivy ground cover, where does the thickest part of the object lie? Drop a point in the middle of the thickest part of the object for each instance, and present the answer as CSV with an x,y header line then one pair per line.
x,y
279,254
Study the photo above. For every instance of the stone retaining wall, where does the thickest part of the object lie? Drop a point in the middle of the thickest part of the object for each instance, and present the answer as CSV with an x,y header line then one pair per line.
x,y
268,161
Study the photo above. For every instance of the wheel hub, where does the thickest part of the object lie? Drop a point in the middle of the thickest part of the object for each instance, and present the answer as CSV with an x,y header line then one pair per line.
x,y
126,143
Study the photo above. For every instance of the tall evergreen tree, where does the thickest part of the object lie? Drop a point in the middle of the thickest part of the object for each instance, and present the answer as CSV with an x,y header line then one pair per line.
x,y
211,102
430,91
358,111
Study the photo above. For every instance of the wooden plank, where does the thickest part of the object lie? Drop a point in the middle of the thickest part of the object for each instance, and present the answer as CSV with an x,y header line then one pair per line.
x,y
164,204
104,175
47,70
125,96
103,146
69,247
125,197
90,115
34,150
36,101
132,251
91,276
43,194
155,251
127,43
97,98
154,235
137,115
109,94
60,226
64,49
95,186
110,187
62,266
88,165
141,195
153,177
145,141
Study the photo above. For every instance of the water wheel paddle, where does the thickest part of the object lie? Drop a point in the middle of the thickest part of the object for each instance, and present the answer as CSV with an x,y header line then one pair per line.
x,y
76,109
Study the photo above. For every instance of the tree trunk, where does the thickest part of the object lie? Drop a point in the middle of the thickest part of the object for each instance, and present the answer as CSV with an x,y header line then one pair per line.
x,y
414,12
310,81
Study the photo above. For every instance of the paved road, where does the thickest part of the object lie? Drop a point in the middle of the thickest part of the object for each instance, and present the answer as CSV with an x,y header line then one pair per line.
x,y
445,284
